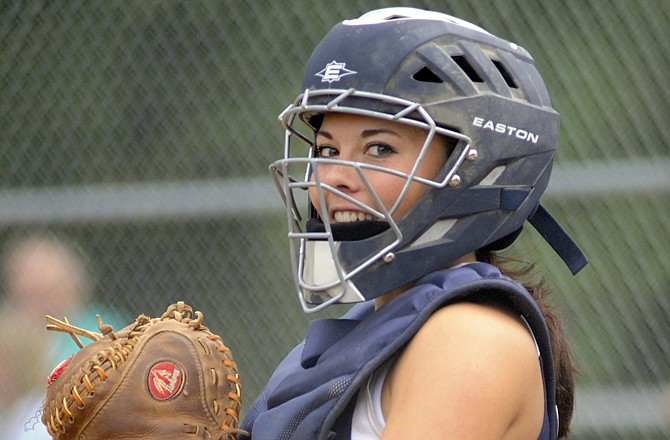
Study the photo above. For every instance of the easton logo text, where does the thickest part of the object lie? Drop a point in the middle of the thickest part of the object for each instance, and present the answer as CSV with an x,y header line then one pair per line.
x,y
498,127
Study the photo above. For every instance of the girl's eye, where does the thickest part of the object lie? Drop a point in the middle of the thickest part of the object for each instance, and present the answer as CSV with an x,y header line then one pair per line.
x,y
325,151
380,149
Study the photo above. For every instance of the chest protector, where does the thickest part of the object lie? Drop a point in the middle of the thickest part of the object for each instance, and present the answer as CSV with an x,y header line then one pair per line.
x,y
311,393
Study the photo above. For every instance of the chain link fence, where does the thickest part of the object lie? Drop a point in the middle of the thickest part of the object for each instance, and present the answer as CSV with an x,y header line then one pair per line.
x,y
138,133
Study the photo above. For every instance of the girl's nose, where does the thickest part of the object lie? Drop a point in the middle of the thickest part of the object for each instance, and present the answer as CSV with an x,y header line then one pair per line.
x,y
344,178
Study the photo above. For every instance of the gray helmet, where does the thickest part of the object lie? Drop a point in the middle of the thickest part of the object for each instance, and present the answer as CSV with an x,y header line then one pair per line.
x,y
453,79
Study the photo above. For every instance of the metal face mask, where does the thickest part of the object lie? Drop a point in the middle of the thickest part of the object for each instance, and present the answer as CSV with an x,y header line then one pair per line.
x,y
450,79
323,275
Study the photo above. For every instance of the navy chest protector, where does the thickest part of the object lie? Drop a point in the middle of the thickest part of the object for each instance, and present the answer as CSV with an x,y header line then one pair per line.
x,y
311,393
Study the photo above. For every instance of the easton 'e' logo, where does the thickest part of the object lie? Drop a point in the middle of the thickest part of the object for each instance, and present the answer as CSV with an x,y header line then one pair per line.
x,y
334,71
165,380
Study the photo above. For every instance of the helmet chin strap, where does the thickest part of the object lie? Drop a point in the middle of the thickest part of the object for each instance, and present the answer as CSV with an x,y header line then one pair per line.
x,y
558,239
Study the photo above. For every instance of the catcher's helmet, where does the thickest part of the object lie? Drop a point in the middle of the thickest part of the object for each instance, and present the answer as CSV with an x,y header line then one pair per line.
x,y
453,79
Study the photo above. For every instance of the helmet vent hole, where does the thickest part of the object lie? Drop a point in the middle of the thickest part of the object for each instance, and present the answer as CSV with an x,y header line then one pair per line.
x,y
505,74
467,68
395,17
428,76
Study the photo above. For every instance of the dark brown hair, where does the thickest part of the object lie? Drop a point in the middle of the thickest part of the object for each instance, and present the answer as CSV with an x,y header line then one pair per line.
x,y
564,368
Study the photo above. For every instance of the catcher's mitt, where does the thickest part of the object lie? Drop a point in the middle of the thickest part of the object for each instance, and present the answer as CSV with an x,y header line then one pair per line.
x,y
166,378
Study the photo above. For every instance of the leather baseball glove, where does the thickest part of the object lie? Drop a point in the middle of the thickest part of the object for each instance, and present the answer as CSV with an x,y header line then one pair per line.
x,y
158,378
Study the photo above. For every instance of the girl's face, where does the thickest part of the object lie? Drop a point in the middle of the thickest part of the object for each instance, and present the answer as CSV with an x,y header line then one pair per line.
x,y
372,141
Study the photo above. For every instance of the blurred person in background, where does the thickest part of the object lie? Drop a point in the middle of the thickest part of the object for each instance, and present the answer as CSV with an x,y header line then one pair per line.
x,y
42,274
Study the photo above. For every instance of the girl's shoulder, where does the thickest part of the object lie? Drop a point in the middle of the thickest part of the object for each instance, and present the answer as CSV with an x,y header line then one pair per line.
x,y
472,368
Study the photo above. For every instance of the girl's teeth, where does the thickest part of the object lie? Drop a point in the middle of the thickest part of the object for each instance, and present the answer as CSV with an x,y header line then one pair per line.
x,y
351,216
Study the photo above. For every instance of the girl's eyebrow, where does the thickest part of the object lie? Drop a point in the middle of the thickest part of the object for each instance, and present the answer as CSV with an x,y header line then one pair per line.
x,y
376,131
325,134
364,133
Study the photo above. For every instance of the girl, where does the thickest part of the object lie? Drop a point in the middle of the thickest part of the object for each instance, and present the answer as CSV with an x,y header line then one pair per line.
x,y
430,142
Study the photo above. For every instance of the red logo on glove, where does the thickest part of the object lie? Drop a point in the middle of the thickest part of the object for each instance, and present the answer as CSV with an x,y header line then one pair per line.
x,y
165,380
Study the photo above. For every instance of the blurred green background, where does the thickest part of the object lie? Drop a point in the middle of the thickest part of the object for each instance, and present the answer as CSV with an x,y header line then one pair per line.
x,y
140,132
